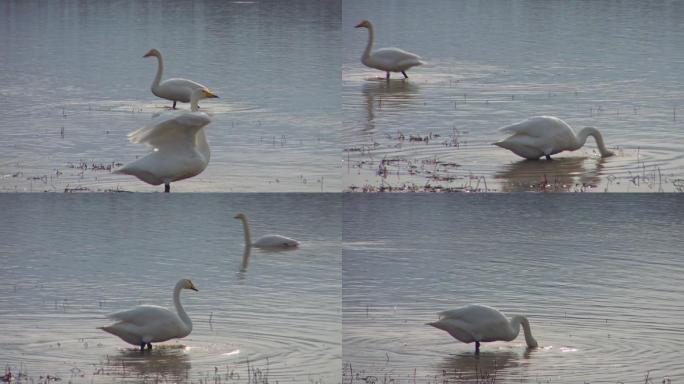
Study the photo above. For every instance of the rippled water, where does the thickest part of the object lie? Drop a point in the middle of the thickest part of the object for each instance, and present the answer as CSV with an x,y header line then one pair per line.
x,y
618,66
598,276
68,261
74,83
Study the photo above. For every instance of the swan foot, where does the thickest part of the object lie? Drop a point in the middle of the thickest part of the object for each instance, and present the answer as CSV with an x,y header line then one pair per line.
x,y
548,157
167,187
405,75
477,347
174,105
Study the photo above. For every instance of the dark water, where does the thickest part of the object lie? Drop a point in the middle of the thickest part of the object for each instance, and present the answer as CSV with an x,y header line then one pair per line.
x,y
69,260
617,66
74,83
598,277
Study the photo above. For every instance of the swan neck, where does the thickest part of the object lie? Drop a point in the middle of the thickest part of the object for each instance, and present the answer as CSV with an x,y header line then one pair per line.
x,y
179,308
194,100
591,131
202,144
248,237
369,45
516,322
160,70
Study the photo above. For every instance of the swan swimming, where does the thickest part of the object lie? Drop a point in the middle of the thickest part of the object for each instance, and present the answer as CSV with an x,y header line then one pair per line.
x,y
147,324
180,146
175,89
387,59
545,136
266,241
480,323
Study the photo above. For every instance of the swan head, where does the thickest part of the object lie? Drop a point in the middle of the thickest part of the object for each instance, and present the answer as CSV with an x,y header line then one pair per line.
x,y
187,284
363,24
152,52
240,216
209,94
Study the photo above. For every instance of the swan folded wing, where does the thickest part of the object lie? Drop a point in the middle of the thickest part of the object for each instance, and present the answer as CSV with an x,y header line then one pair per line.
x,y
175,130
141,315
395,58
179,89
538,126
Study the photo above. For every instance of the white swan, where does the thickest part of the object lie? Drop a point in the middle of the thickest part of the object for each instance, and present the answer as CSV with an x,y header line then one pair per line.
x,y
180,146
545,136
387,59
480,323
266,241
174,89
147,324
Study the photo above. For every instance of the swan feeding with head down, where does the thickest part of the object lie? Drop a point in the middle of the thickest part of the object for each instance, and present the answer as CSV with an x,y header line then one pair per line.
x,y
387,59
545,136
480,323
175,89
147,324
180,148
266,241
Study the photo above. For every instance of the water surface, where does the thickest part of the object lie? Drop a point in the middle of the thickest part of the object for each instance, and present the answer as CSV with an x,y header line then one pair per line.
x,y
599,278
618,66
70,260
74,83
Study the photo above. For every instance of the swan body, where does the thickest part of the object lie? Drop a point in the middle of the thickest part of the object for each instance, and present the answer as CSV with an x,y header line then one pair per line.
x,y
387,59
266,241
545,136
480,323
147,324
175,89
180,148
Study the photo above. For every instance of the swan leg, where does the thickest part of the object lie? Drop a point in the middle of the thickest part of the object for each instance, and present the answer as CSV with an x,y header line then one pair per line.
x,y
405,75
387,76
477,347
167,187
548,157
149,346
142,346
174,104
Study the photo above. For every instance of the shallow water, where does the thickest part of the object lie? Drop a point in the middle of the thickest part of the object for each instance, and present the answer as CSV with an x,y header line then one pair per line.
x,y
74,83
616,66
68,261
599,278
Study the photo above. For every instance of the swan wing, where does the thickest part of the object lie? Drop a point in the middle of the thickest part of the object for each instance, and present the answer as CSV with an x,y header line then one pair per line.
x,y
395,58
178,89
176,129
538,126
275,241
142,315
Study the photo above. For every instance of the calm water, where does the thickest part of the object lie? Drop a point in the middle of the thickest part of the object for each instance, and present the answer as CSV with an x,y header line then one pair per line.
x,y
599,278
69,260
74,83
618,66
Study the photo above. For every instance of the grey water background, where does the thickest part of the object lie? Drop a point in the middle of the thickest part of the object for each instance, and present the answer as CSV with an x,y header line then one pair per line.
x,y
73,83
598,276
618,66
67,261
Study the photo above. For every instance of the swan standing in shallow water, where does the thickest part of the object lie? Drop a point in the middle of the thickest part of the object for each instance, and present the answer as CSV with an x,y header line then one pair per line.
x,y
180,146
173,89
480,323
267,241
387,59
545,136
147,324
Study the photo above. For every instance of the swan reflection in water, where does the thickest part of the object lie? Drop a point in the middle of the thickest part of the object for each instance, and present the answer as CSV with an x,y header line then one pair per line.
x,y
467,366
564,173
170,362
380,94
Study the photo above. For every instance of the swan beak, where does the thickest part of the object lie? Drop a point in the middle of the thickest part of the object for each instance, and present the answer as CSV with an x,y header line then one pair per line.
x,y
194,289
209,94
148,54
359,25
